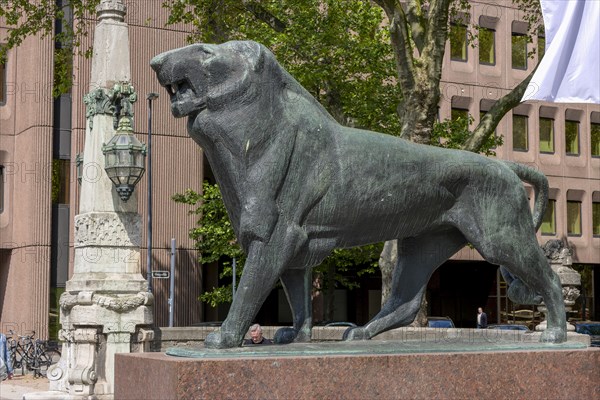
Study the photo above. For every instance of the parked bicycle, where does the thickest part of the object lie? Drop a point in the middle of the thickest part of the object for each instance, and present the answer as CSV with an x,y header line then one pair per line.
x,y
28,353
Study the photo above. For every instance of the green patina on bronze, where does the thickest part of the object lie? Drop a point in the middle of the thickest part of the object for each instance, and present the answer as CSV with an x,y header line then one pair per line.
x,y
297,184
117,102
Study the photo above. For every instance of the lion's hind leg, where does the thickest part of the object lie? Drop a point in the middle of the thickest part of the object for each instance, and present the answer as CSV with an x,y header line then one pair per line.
x,y
418,258
533,279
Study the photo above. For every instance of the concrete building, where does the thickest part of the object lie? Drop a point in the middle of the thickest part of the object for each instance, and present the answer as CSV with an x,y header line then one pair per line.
x,y
40,138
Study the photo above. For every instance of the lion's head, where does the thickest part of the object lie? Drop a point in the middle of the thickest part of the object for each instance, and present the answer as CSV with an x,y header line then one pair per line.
x,y
202,76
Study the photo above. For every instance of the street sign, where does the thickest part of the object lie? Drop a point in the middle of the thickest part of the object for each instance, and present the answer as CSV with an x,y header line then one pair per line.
x,y
161,274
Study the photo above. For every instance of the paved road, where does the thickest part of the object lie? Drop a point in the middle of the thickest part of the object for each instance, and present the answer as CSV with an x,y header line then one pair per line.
x,y
15,388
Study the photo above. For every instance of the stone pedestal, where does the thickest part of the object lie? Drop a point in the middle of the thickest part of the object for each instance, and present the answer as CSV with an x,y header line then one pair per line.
x,y
478,375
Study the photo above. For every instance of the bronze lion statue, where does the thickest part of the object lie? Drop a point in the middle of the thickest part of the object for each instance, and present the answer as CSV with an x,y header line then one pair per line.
x,y
297,185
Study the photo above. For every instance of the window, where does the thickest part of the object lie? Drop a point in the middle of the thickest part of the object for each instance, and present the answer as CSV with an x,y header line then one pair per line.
x,y
574,218
596,218
61,173
1,189
458,42
2,82
595,134
459,113
520,132
549,219
487,46
546,135
541,47
519,51
572,137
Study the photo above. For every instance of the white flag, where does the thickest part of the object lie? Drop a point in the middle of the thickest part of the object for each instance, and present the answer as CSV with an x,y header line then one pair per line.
x,y
570,69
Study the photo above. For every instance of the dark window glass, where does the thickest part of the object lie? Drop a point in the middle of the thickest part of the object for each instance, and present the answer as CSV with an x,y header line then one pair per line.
x,y
458,42
572,137
595,134
459,113
596,219
546,135
574,218
519,51
61,175
549,221
1,189
487,46
541,49
520,133
2,82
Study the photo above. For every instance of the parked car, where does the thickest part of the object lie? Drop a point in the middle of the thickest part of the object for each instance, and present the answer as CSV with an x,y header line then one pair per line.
x,y
509,327
341,323
440,322
591,328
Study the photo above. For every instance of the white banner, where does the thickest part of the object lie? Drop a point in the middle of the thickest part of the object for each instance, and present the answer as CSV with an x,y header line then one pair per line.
x,y
570,69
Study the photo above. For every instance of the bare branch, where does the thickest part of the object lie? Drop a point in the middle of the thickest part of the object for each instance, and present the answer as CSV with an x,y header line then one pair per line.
x,y
262,14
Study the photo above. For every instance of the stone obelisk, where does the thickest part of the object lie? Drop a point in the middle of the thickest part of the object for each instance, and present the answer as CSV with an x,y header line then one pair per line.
x,y
106,303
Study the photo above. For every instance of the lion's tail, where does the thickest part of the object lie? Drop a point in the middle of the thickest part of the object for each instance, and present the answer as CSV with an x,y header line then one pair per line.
x,y
540,187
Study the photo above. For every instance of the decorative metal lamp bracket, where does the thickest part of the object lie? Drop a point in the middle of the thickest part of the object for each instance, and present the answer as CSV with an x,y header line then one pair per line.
x,y
117,102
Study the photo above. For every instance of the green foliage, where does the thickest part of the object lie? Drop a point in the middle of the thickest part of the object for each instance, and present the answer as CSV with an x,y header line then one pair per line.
x,y
453,134
214,237
339,50
350,263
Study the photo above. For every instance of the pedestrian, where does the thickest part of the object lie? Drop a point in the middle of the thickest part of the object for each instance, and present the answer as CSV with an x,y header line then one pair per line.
x,y
481,319
5,356
256,337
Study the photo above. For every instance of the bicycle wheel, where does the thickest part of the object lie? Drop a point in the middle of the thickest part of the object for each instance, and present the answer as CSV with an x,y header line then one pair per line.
x,y
45,360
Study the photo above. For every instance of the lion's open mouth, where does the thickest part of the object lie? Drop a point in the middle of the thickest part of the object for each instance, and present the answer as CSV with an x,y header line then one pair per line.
x,y
184,101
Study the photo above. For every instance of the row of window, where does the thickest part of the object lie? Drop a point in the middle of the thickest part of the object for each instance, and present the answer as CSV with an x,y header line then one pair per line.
x,y
486,37
574,220
546,134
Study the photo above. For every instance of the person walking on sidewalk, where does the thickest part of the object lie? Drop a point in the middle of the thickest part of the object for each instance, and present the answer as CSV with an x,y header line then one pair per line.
x,y
5,355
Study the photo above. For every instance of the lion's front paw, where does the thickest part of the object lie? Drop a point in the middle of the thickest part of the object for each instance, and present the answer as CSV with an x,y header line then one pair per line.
x,y
355,334
554,335
218,340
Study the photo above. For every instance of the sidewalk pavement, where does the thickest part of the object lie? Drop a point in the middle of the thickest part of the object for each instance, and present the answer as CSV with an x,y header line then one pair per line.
x,y
15,388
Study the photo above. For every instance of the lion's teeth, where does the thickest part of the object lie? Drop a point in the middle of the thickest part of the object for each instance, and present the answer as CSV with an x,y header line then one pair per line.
x,y
174,88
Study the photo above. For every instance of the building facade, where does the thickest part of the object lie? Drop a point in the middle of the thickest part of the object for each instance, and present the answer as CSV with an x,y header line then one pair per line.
x,y
41,136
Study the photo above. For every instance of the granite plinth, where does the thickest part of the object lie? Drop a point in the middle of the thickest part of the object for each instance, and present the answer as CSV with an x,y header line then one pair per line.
x,y
558,373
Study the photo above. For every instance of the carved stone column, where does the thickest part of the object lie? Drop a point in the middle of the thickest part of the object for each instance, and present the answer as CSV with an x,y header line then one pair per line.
x,y
106,303
560,258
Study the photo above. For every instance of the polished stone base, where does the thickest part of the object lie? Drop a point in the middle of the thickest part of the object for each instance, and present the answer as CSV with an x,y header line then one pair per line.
x,y
540,373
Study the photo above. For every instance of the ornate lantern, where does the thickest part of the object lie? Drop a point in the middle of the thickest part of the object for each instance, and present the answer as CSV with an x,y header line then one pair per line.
x,y
125,158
